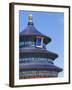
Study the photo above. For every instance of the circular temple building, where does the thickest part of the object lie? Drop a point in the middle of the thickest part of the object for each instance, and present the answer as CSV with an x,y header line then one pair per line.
x,y
35,60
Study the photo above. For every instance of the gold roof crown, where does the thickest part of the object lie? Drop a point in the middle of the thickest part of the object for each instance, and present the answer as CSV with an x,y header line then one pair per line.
x,y
30,17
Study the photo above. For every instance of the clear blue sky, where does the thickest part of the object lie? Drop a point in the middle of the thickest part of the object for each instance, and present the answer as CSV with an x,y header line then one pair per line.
x,y
52,25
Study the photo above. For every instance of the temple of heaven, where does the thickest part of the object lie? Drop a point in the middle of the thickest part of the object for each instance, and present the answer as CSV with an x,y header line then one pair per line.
x,y
35,61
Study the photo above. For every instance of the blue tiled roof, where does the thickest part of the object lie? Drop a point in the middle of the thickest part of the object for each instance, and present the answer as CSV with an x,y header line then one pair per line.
x,y
30,30
39,66
39,51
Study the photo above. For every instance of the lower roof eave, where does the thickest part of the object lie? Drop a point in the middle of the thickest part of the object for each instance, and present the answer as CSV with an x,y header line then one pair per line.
x,y
57,70
40,67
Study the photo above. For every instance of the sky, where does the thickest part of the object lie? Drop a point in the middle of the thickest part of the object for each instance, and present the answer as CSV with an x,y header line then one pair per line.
x,y
52,25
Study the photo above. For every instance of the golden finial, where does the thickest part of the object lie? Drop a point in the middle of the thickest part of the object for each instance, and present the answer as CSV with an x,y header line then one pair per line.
x,y
30,17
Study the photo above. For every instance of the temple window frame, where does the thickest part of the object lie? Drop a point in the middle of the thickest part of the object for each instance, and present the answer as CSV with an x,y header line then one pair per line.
x,y
41,45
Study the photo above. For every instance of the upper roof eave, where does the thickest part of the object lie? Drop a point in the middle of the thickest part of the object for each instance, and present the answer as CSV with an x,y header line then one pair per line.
x,y
30,30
